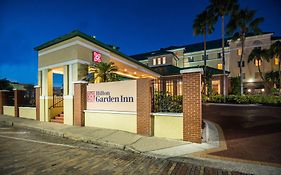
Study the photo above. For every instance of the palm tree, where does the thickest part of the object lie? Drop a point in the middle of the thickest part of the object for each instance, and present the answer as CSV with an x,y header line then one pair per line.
x,y
257,56
276,52
243,22
203,25
104,72
221,8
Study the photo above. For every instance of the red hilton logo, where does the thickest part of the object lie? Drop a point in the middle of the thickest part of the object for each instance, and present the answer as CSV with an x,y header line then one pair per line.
x,y
91,96
96,56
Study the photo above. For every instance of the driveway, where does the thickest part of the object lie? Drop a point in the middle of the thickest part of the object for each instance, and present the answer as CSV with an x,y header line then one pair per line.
x,y
251,132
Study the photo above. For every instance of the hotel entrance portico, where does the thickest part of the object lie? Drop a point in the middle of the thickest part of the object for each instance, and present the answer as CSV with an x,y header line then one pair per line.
x,y
70,55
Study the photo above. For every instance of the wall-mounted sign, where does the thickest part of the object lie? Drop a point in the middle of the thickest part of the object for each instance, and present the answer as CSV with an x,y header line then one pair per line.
x,y
112,96
96,56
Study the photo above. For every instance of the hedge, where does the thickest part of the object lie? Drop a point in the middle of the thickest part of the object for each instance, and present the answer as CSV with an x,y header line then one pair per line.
x,y
244,99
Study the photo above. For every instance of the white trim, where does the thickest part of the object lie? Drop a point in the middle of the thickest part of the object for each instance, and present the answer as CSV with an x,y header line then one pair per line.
x,y
168,114
109,54
191,70
208,51
65,64
37,86
28,107
111,112
46,97
4,91
68,97
80,82
70,78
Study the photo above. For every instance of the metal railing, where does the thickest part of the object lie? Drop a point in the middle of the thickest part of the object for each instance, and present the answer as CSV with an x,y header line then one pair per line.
x,y
57,102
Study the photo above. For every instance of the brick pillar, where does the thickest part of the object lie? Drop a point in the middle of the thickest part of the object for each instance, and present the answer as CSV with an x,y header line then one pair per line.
x,y
144,122
18,96
3,100
80,90
192,104
37,99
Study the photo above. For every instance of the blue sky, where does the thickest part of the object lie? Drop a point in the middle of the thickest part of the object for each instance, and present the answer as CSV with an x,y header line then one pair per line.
x,y
134,25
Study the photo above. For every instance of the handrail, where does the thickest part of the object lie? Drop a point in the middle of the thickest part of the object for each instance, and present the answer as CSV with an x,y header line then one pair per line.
x,y
56,104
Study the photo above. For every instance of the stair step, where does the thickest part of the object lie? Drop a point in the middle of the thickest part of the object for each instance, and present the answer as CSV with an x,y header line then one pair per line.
x,y
56,121
61,115
59,118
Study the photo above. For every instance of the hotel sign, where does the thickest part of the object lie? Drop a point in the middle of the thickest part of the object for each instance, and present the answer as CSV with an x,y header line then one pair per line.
x,y
96,57
112,96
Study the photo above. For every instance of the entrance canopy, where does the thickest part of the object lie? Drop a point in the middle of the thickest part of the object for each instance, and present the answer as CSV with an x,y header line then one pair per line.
x,y
79,48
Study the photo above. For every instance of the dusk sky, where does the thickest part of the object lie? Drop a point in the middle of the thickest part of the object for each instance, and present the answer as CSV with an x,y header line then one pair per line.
x,y
134,25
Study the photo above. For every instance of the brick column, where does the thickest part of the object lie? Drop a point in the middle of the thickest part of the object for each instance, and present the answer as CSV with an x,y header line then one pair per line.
x,y
144,122
80,90
3,100
192,104
18,96
37,99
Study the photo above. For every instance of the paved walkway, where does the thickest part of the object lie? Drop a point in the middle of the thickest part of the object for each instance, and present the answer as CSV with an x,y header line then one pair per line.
x,y
150,146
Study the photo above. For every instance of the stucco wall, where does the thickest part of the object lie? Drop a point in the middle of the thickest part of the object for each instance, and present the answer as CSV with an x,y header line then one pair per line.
x,y
27,112
109,120
9,110
168,125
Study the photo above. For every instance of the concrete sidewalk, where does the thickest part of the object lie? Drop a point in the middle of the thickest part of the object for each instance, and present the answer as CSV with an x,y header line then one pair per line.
x,y
153,146
150,146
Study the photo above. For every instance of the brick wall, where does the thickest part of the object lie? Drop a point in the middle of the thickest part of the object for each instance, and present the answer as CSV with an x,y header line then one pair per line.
x,y
80,90
37,98
144,122
3,100
192,107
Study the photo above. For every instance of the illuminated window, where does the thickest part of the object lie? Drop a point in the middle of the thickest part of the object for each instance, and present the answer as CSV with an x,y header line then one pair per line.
x,y
158,60
220,66
190,59
169,87
164,60
276,61
156,85
154,61
239,52
258,62
179,87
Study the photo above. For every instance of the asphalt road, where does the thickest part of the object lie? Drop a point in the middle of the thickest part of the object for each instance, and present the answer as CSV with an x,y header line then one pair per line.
x,y
251,132
25,151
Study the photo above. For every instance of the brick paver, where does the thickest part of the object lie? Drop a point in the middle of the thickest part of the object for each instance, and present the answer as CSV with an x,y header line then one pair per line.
x,y
45,154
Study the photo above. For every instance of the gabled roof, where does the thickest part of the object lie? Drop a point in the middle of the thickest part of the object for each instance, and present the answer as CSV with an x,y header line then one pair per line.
x,y
92,40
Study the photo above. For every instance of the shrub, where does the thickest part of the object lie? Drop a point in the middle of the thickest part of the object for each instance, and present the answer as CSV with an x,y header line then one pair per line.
x,y
164,102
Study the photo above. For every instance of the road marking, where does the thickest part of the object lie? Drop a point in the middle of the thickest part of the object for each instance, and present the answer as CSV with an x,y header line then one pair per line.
x,y
42,142
14,132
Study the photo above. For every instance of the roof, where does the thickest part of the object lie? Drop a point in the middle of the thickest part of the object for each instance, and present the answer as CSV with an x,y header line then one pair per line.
x,y
90,39
213,44
276,37
168,70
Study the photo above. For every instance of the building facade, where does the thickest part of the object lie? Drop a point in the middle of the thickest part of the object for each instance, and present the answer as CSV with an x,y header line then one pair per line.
x,y
188,56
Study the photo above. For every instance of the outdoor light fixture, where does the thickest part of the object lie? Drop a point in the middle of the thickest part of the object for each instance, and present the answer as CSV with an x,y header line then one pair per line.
x,y
135,73
262,89
125,70
249,90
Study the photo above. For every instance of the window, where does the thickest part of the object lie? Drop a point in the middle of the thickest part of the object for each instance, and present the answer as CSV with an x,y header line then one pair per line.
x,y
159,60
243,64
257,75
258,63
154,61
164,60
156,85
276,61
239,52
179,87
219,55
220,66
190,59
206,57
244,76
169,87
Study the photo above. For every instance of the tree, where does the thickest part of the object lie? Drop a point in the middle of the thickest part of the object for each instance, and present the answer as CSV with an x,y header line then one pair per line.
x,y
5,84
203,25
257,56
221,8
104,72
275,51
243,23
